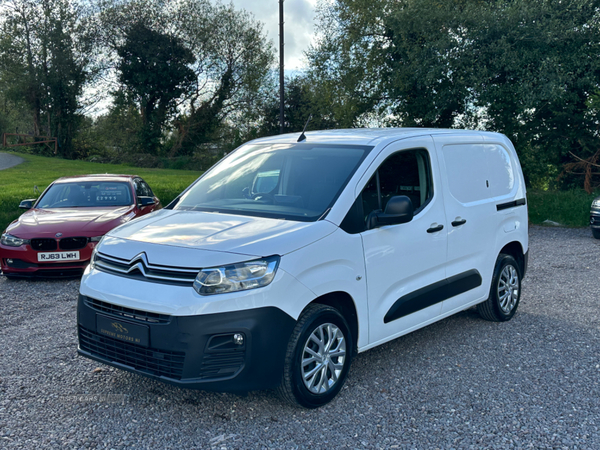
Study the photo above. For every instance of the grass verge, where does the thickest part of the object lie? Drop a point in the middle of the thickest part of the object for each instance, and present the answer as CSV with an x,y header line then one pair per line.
x,y
16,183
568,208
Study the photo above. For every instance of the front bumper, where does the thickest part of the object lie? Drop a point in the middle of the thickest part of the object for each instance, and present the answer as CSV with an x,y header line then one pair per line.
x,y
189,351
595,219
22,262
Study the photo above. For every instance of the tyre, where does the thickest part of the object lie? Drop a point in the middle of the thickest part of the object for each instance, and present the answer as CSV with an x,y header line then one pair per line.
x,y
318,357
505,291
596,232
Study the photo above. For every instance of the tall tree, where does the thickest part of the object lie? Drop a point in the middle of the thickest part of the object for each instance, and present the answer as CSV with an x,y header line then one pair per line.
x,y
45,55
233,58
154,72
231,63
302,100
528,68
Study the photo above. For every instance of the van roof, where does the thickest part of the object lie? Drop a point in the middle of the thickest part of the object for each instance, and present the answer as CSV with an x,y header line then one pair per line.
x,y
361,136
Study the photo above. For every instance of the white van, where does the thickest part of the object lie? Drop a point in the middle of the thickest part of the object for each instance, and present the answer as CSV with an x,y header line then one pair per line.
x,y
291,255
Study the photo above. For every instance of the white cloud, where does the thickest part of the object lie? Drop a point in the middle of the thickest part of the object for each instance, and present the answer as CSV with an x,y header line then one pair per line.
x,y
298,30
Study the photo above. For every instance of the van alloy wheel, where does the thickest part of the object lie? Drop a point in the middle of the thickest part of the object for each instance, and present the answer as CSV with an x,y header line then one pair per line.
x,y
318,357
323,358
505,291
508,289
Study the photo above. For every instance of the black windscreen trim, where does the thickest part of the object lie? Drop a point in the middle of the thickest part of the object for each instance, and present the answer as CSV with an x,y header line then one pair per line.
x,y
432,294
519,202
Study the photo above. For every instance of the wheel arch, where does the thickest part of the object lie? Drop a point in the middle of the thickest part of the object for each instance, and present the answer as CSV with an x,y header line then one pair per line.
x,y
515,249
344,303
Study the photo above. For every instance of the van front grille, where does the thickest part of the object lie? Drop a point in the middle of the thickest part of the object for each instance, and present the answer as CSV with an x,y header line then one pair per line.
x,y
129,313
139,268
144,359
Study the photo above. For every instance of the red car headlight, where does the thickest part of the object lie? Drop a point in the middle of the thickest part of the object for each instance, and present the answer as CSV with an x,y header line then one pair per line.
x,y
13,241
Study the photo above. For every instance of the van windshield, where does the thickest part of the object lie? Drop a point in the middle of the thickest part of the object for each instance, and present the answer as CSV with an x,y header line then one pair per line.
x,y
287,181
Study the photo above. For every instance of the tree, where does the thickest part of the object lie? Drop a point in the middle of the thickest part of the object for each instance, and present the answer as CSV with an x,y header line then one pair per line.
x,y
527,68
347,64
301,101
540,74
154,72
45,59
231,63
233,58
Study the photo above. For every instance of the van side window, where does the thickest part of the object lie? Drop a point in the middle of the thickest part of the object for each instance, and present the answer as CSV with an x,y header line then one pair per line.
x,y
478,171
404,173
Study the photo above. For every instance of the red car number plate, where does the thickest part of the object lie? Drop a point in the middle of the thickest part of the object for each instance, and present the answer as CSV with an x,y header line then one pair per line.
x,y
58,256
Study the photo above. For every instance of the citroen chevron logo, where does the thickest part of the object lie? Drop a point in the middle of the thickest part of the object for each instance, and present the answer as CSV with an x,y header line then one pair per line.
x,y
139,262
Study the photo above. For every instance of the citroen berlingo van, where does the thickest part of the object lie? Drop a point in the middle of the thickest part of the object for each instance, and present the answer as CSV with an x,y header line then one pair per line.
x,y
293,254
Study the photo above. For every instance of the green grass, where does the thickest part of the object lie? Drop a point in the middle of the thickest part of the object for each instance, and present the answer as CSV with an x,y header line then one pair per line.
x,y
17,183
569,208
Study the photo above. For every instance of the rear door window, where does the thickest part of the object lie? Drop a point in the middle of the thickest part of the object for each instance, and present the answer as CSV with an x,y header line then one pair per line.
x,y
478,171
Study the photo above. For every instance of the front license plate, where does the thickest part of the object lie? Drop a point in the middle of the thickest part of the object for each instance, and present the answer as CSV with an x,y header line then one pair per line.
x,y
58,256
123,331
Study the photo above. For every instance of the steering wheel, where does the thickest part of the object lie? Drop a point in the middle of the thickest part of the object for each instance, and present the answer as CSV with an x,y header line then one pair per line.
x,y
263,196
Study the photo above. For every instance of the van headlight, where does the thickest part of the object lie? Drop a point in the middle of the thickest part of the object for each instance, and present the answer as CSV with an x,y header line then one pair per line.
x,y
236,277
596,203
12,241
97,239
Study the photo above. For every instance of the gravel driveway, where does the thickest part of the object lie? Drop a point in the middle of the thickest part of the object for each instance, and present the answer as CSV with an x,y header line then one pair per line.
x,y
533,382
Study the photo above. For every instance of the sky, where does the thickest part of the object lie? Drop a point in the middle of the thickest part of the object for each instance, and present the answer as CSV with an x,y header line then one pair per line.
x,y
298,30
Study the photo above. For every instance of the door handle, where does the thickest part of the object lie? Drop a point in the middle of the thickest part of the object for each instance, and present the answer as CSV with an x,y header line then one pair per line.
x,y
458,223
435,229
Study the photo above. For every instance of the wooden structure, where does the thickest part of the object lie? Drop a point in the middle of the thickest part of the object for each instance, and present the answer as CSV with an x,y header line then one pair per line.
x,y
47,140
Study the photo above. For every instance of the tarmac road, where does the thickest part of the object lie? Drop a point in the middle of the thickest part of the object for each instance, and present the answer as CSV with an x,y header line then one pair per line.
x,y
7,160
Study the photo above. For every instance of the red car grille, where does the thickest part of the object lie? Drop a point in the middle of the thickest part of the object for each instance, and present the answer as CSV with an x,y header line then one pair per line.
x,y
49,244
73,243
43,244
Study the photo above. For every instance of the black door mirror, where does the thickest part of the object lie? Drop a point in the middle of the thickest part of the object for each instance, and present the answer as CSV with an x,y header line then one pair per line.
x,y
145,201
27,204
399,209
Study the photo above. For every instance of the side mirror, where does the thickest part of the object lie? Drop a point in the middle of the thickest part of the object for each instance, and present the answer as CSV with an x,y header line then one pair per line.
x,y
145,201
27,204
399,209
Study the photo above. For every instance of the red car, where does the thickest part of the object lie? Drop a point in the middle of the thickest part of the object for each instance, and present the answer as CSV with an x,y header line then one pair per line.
x,y
57,235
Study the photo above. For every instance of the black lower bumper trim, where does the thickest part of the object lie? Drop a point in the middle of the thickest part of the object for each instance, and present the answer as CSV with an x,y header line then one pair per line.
x,y
195,351
45,274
